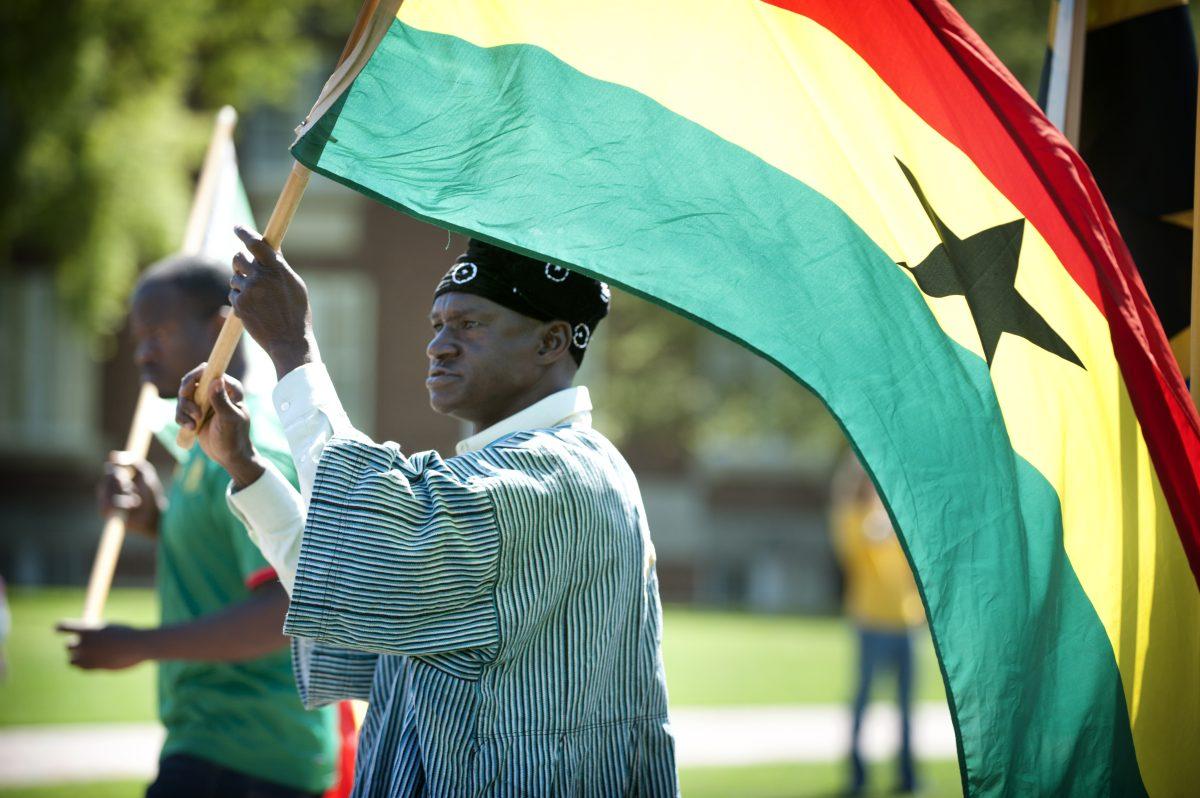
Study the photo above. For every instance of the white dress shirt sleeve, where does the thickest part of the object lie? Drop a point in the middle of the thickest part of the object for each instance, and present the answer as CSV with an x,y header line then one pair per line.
x,y
271,509
273,513
311,414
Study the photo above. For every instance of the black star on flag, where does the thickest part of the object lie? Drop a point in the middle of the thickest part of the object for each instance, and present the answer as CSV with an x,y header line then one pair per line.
x,y
982,268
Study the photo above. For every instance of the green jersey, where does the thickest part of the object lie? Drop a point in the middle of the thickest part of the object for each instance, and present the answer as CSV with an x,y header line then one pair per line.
x,y
246,716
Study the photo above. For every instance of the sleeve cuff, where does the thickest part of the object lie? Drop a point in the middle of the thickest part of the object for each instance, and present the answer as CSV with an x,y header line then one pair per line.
x,y
326,675
267,505
273,514
303,390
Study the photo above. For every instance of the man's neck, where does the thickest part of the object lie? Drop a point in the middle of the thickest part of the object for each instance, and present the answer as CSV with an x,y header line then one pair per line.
x,y
571,405
517,405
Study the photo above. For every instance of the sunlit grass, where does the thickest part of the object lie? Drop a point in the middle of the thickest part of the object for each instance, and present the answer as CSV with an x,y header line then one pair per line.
x,y
712,658
727,659
42,688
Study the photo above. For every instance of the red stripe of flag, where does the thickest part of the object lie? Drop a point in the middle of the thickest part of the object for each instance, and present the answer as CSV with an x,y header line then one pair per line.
x,y
978,106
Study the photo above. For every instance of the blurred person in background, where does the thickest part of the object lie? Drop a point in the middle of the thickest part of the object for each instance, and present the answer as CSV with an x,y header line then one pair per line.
x,y
226,695
883,602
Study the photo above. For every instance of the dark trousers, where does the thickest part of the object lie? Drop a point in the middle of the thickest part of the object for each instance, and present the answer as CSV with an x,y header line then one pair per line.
x,y
884,650
185,776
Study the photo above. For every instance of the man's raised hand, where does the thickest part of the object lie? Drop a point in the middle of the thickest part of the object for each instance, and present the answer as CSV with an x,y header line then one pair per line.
x,y
272,302
226,436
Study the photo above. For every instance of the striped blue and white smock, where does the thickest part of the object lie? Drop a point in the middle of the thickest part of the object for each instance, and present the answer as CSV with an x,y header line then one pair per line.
x,y
499,610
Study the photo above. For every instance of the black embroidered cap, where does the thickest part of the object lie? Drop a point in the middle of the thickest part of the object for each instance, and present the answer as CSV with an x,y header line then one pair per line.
x,y
540,290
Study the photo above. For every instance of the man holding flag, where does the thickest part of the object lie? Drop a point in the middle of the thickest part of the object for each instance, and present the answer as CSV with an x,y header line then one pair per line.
x,y
235,726
499,609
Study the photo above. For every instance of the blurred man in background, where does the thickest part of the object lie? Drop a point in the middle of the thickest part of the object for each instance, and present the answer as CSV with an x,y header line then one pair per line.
x,y
234,722
883,601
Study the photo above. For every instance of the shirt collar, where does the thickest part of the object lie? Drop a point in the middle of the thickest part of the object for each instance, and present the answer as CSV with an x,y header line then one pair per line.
x,y
568,406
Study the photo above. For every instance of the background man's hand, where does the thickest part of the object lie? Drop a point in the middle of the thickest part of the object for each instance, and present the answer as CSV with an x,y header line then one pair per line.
x,y
132,486
226,436
272,301
107,648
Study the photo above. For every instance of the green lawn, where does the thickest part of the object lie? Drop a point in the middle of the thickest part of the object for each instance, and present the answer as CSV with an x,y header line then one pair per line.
x,y
712,659
726,658
42,688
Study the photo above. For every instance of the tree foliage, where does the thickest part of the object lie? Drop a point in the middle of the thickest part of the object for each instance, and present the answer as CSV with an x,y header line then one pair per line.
x,y
105,108
674,391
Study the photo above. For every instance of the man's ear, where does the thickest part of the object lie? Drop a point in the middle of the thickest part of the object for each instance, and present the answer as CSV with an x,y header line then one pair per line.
x,y
555,343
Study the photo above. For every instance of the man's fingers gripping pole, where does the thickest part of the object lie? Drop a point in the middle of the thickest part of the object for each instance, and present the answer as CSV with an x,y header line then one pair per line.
x,y
187,412
218,361
231,332
224,397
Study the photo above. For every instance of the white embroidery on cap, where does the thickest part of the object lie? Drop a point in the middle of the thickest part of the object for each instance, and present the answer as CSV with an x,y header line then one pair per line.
x,y
556,273
464,273
582,335
605,293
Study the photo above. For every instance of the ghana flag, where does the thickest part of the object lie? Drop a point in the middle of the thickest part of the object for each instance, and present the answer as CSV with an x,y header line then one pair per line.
x,y
1137,133
861,193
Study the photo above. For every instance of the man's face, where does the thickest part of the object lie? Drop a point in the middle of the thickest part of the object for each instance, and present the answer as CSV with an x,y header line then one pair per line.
x,y
482,359
169,336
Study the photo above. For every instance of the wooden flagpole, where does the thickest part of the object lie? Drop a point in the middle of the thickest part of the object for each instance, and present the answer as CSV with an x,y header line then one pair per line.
x,y
204,202
372,22
231,330
137,444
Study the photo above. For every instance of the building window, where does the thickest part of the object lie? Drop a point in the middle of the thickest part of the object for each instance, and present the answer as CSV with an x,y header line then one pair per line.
x,y
48,396
345,310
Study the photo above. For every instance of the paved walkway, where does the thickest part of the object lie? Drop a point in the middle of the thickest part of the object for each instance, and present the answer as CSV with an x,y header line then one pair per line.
x,y
58,754
706,737
811,733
